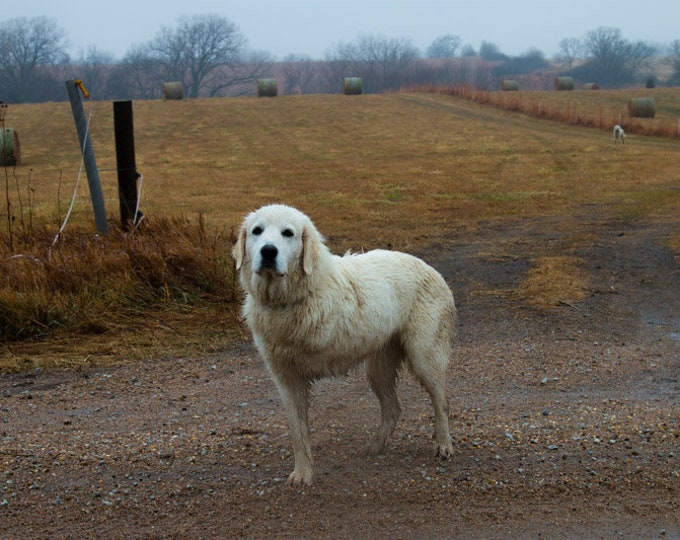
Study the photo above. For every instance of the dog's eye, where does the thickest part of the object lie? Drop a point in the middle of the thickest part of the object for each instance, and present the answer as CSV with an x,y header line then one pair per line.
x,y
257,231
288,233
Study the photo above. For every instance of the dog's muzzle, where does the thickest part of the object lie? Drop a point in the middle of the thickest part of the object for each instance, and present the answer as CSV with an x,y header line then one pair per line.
x,y
268,254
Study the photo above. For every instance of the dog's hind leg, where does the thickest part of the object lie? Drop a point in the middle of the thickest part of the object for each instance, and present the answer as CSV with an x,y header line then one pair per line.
x,y
434,384
428,346
428,365
381,370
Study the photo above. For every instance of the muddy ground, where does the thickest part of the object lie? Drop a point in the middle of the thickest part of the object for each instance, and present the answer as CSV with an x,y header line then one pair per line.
x,y
566,423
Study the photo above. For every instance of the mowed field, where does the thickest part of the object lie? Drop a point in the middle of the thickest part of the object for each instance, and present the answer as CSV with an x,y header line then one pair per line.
x,y
401,169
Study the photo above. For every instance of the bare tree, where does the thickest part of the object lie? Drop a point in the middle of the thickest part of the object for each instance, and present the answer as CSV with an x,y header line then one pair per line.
x,y
613,60
301,75
490,51
95,68
27,48
237,79
382,62
444,47
333,70
570,50
201,52
675,63
531,61
140,75
468,51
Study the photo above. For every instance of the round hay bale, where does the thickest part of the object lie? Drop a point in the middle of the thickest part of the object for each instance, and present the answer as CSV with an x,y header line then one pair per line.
x,y
564,83
591,86
10,152
173,90
510,86
352,86
267,87
641,108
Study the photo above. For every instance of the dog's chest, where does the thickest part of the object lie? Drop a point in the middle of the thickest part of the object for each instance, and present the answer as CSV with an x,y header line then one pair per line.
x,y
316,342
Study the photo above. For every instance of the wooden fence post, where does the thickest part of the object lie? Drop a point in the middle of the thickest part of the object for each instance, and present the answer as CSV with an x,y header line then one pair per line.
x,y
88,156
127,168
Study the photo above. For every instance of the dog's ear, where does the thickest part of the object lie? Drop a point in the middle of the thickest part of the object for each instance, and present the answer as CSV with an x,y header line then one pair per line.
x,y
312,244
239,250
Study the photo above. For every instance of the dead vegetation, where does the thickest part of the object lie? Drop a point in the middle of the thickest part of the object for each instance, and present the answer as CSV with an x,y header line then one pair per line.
x,y
96,291
554,280
599,109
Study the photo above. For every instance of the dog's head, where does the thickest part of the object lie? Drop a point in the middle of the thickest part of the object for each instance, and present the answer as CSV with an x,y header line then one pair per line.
x,y
276,244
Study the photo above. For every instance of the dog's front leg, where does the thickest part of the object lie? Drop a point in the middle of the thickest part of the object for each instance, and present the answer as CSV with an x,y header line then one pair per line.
x,y
295,396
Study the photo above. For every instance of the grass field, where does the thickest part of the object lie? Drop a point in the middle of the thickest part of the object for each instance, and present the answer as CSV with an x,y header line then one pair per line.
x,y
600,109
405,171
377,159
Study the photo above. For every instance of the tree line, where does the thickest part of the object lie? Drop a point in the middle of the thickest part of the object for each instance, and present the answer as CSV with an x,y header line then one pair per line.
x,y
208,54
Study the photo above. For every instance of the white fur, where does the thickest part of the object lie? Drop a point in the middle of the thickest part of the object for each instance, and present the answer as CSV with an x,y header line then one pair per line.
x,y
314,314
619,134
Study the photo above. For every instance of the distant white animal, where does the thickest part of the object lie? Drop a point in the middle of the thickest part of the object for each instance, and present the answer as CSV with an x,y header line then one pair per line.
x,y
315,315
619,134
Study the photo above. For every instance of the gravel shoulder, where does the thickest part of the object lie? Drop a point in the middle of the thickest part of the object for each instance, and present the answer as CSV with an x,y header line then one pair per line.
x,y
566,422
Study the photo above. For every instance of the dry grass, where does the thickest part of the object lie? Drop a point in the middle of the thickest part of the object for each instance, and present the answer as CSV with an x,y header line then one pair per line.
x,y
95,293
554,280
366,158
404,171
600,109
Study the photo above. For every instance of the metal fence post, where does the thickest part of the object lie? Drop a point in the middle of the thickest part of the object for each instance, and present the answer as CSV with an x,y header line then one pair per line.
x,y
88,157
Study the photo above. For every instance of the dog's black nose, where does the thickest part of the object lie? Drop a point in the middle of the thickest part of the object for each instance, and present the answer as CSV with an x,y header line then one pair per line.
x,y
269,253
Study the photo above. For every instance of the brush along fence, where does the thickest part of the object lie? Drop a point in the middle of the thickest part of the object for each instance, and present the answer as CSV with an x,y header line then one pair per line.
x,y
352,86
267,88
10,153
173,90
564,83
510,86
641,108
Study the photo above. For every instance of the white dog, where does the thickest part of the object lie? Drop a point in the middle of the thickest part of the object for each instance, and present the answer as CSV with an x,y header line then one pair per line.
x,y
619,134
315,315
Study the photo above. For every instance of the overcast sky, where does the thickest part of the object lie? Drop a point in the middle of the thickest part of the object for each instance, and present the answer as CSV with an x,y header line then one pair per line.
x,y
312,27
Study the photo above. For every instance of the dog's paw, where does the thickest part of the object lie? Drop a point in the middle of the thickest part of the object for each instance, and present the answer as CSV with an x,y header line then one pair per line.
x,y
300,478
376,448
443,450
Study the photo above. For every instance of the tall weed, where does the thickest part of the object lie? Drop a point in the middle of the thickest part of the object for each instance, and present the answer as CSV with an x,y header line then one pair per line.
x,y
87,283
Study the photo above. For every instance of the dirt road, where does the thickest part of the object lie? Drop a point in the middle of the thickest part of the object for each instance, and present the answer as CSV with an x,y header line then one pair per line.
x,y
566,423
